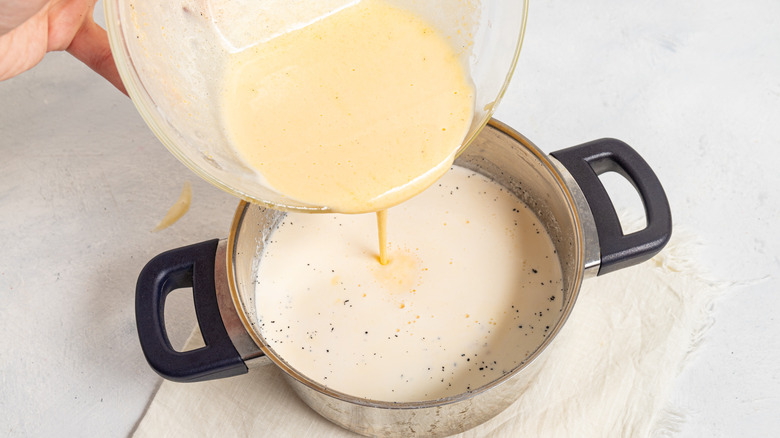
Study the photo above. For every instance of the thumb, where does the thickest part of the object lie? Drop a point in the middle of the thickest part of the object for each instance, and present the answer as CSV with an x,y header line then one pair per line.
x,y
90,46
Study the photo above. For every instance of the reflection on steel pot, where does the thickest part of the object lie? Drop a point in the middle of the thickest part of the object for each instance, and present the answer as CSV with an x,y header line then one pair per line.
x,y
562,189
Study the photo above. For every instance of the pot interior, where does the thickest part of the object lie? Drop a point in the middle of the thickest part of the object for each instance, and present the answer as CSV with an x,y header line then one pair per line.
x,y
498,153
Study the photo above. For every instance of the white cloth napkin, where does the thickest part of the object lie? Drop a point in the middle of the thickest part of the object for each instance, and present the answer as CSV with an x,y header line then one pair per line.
x,y
608,373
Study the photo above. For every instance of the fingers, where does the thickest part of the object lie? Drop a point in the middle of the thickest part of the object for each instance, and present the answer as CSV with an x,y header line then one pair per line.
x,y
59,25
90,46
23,47
15,12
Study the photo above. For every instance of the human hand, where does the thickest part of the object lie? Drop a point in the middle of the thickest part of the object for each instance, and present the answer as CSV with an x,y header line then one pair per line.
x,y
31,28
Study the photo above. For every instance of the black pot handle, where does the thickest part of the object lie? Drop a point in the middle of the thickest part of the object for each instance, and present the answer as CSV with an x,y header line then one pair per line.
x,y
589,160
189,266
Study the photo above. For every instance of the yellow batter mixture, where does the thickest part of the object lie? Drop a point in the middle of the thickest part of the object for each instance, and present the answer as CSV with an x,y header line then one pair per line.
x,y
357,112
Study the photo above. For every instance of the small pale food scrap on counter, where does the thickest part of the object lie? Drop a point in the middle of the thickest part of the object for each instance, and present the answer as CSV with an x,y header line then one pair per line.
x,y
178,209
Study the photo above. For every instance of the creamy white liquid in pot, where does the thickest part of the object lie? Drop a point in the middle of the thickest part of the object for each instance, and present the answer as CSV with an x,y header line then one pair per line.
x,y
472,288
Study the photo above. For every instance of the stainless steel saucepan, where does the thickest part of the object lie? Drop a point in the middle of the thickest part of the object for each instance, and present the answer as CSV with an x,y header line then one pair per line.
x,y
562,188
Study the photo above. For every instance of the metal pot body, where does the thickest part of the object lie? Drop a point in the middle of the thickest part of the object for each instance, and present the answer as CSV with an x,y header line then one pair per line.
x,y
563,190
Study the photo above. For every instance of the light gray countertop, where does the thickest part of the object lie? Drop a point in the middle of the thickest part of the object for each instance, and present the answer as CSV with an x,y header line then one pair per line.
x,y
693,86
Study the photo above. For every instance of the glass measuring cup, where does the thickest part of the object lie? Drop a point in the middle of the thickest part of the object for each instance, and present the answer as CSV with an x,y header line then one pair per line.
x,y
171,56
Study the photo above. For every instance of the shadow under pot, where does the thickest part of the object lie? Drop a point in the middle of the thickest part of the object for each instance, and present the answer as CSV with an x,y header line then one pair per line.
x,y
563,192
